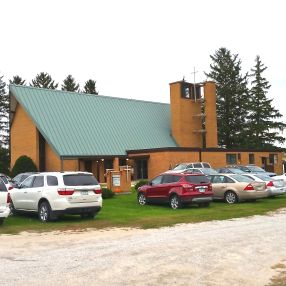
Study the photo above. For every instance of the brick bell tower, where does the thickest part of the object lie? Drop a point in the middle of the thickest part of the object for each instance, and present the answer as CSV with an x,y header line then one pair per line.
x,y
193,114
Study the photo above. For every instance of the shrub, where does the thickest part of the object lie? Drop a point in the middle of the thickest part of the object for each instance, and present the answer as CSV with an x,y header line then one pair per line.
x,y
107,193
140,183
23,164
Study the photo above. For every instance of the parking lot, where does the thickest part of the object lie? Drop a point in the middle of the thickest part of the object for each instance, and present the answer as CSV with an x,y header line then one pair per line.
x,y
245,251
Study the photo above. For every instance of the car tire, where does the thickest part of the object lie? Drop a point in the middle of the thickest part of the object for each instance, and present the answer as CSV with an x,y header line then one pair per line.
x,y
175,202
45,212
1,220
142,199
230,197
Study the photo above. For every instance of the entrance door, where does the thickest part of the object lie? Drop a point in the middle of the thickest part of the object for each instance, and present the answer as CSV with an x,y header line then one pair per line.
x,y
141,168
88,166
264,162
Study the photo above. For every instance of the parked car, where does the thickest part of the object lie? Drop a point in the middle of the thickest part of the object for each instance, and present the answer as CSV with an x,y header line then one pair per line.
x,y
177,189
254,170
4,202
283,177
274,186
186,166
204,171
233,188
7,181
52,194
17,180
229,170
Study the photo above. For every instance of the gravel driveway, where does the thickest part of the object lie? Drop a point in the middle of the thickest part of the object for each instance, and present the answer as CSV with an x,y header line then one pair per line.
x,y
233,252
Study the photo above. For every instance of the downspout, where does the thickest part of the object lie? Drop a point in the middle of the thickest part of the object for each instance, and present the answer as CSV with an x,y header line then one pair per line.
x,y
62,164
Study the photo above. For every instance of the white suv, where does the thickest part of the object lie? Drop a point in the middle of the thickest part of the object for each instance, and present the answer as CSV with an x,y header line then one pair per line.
x,y
52,194
4,201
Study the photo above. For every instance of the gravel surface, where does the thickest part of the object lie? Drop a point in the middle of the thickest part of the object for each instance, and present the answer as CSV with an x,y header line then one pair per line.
x,y
232,252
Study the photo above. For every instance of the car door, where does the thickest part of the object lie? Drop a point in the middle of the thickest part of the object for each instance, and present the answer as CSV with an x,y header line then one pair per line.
x,y
19,195
153,192
3,195
33,194
219,186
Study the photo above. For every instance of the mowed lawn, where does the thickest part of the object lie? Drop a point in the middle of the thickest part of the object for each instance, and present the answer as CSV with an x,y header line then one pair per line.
x,y
124,211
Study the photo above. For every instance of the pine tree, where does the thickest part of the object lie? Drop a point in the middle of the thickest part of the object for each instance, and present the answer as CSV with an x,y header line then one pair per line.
x,y
89,87
17,80
263,124
232,98
44,80
69,84
4,114
4,160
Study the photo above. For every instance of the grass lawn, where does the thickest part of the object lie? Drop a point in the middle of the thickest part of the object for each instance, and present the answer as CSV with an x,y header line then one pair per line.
x,y
124,211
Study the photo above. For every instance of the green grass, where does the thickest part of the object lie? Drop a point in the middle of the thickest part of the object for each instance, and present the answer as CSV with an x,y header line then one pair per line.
x,y
124,211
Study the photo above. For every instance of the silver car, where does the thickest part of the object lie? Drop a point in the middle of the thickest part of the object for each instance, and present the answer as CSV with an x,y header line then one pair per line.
x,y
274,186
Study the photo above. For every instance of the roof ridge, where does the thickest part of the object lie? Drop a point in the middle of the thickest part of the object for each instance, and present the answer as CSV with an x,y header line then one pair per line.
x,y
87,94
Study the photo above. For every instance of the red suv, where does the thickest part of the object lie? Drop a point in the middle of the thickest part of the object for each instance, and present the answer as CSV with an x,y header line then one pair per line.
x,y
177,189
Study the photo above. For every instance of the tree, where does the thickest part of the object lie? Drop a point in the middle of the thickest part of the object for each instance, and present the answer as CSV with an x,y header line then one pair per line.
x,y
232,98
4,160
44,80
4,114
23,164
69,84
89,87
263,124
17,80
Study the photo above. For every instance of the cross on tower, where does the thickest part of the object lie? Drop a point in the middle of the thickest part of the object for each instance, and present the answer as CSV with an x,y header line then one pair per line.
x,y
195,91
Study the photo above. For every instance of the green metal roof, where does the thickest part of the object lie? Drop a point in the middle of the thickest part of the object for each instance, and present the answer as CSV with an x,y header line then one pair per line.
x,y
79,124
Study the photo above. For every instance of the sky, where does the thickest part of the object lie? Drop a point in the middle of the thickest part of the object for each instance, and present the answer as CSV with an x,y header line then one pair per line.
x,y
134,49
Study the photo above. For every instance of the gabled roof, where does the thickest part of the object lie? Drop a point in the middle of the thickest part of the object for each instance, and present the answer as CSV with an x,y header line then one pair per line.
x,y
79,124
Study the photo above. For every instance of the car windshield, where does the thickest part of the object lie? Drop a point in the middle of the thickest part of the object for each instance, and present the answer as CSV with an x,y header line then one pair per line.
x,y
79,180
181,167
263,177
209,171
241,178
255,169
197,179
236,171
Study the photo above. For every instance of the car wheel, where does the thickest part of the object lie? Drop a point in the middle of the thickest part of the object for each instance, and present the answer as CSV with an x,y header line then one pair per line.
x,y
175,202
1,220
142,199
230,197
45,212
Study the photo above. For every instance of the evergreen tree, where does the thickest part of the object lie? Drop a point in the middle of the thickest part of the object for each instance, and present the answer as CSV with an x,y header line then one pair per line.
x,y
69,84
4,114
232,98
4,160
44,80
263,124
17,80
89,87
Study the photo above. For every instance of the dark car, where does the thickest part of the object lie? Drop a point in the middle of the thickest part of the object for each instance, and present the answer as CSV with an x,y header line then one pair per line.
x,y
254,170
177,189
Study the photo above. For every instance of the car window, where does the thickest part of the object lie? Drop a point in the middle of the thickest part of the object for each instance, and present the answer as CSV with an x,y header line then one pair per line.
x,y
190,166
170,179
52,181
180,167
197,165
256,169
263,177
27,183
4,179
244,169
218,179
197,179
228,180
206,165
79,180
38,182
157,181
208,171
196,171
2,186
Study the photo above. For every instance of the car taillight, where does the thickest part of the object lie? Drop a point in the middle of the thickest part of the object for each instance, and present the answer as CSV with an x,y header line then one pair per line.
x,y
270,184
8,198
249,187
98,192
210,188
10,188
188,187
65,192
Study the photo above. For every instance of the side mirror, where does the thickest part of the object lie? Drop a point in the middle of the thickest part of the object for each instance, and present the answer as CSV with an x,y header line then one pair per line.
x,y
150,183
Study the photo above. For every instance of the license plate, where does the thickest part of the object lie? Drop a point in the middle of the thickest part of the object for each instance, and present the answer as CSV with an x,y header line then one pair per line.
x,y
84,193
202,190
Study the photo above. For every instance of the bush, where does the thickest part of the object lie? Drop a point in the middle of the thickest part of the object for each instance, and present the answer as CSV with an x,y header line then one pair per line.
x,y
23,164
140,183
107,193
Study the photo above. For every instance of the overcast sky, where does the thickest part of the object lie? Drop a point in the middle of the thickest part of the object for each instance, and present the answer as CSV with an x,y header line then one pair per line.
x,y
134,49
